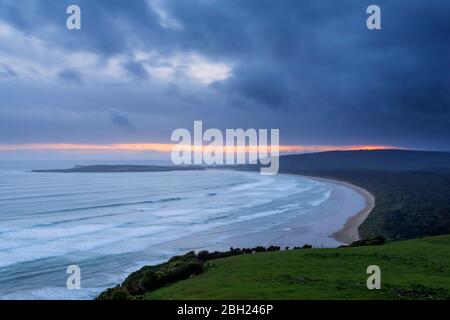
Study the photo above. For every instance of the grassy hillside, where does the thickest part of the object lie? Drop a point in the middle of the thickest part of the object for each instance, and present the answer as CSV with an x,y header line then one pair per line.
x,y
413,269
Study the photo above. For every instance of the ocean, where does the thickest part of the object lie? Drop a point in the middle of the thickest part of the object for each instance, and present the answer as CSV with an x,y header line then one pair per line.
x,y
110,224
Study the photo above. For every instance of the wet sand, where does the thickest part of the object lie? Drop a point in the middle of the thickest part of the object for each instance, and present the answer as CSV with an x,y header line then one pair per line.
x,y
349,231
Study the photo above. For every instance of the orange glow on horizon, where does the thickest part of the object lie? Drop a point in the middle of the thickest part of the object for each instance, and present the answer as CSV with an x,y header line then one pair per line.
x,y
168,147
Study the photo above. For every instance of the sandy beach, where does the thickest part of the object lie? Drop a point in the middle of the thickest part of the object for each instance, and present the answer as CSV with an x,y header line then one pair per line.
x,y
349,232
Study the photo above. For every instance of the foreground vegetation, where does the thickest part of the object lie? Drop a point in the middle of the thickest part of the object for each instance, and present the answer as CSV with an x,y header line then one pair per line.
x,y
413,269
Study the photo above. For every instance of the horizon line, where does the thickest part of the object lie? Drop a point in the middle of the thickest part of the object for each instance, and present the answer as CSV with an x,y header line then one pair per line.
x,y
169,147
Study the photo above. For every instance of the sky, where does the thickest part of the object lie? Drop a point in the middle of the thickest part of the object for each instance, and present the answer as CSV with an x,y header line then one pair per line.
x,y
137,70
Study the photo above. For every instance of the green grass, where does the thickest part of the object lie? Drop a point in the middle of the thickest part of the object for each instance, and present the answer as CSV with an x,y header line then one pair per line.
x,y
413,269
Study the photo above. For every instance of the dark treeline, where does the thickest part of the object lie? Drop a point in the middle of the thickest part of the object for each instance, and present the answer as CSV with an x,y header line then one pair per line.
x,y
206,255
379,160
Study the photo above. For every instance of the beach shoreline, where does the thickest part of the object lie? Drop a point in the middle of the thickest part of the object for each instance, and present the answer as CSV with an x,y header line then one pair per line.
x,y
349,232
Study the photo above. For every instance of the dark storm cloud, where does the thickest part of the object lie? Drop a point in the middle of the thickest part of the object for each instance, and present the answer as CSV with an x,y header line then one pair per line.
x,y
260,87
137,70
121,121
6,71
311,67
318,57
108,25
70,76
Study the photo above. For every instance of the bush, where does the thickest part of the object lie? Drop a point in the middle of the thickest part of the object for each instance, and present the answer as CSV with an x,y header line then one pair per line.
x,y
150,278
203,255
306,246
120,294
116,293
369,242
149,281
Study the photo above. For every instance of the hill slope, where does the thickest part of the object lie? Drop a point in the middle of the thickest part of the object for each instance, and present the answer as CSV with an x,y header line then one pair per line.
x,y
413,269
396,160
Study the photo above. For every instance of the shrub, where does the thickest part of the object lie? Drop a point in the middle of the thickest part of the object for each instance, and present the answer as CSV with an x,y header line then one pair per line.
x,y
116,293
120,294
369,242
203,255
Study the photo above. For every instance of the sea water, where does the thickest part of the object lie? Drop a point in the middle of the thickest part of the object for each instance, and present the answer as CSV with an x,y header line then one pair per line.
x,y
110,224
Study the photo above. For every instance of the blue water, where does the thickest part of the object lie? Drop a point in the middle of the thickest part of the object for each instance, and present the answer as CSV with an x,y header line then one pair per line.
x,y
110,224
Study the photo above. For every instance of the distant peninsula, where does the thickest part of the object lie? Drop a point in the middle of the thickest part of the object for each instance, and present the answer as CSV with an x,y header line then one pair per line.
x,y
119,168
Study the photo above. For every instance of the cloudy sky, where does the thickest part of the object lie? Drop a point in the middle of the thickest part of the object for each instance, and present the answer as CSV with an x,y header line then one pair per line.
x,y
139,69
